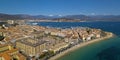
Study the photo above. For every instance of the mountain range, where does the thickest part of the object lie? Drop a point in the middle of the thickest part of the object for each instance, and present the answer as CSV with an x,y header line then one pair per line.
x,y
53,17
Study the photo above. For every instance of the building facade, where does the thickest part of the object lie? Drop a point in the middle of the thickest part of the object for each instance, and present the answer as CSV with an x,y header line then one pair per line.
x,y
31,47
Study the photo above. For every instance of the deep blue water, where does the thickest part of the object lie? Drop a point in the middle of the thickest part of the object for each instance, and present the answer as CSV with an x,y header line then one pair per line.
x,y
106,26
103,50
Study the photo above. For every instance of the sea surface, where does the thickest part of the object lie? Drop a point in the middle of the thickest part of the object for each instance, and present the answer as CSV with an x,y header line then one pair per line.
x,y
104,50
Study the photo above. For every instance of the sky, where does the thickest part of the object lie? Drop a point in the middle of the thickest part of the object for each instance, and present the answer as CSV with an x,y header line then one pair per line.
x,y
60,7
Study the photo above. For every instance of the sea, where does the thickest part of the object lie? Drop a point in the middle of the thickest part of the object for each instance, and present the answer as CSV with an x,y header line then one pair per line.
x,y
104,50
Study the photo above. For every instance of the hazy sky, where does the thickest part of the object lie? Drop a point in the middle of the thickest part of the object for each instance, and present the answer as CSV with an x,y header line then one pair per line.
x,y
60,7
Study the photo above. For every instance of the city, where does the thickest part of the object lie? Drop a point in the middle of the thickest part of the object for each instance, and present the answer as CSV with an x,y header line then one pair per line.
x,y
59,30
24,42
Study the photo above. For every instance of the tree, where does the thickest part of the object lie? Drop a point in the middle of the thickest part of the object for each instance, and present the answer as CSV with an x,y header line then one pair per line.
x,y
1,38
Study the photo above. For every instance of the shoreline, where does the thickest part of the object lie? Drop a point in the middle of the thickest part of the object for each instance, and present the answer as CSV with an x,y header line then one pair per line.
x,y
109,35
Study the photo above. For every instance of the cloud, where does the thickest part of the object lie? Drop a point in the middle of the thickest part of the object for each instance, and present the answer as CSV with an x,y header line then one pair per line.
x,y
51,15
93,14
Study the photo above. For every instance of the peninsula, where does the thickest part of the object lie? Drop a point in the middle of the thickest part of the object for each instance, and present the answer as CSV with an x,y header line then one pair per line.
x,y
21,41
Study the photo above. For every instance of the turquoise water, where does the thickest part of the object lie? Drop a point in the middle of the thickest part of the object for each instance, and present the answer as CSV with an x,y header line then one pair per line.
x,y
104,50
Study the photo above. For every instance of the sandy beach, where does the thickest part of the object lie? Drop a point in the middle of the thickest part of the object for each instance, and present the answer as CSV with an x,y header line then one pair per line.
x,y
109,35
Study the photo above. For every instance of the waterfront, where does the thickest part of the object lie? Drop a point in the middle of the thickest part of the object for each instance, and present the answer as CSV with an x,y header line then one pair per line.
x,y
56,57
38,42
61,40
102,50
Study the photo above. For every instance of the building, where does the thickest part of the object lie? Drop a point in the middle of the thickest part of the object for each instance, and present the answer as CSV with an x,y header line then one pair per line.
x,y
10,21
59,47
12,55
9,53
31,46
5,48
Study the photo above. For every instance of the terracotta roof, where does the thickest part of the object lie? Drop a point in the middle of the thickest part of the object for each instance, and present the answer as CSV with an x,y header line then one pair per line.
x,y
5,56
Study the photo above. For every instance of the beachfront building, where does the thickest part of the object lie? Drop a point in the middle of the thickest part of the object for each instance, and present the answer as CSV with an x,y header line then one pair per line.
x,y
59,47
31,46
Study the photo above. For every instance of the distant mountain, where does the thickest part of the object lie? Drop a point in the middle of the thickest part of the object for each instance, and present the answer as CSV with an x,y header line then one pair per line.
x,y
40,17
95,17
105,17
14,17
25,16
54,17
82,17
76,16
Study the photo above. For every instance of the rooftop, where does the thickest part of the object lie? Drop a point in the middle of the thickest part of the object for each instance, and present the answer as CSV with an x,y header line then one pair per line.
x,y
32,41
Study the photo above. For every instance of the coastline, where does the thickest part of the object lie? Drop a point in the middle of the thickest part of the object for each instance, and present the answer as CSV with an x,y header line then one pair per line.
x,y
109,35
